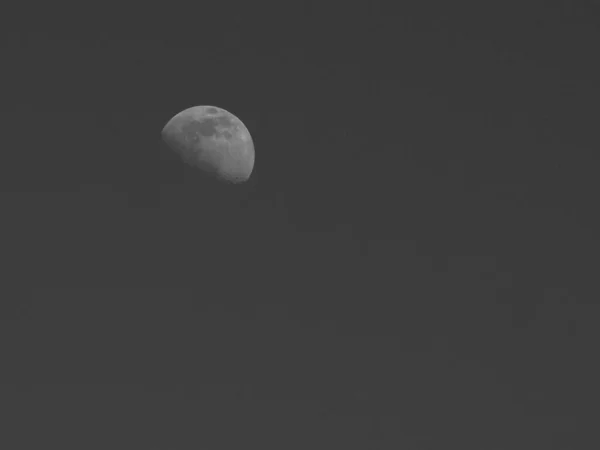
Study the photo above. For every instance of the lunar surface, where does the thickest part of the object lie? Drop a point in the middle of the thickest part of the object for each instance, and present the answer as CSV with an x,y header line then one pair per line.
x,y
212,139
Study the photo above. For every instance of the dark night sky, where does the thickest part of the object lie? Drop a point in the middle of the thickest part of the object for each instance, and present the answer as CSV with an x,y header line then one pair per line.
x,y
411,263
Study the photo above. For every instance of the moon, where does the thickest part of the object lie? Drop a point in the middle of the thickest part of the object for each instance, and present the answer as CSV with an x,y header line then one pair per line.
x,y
212,139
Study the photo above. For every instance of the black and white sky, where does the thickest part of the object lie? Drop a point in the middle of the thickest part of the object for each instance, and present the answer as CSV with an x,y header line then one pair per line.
x,y
411,265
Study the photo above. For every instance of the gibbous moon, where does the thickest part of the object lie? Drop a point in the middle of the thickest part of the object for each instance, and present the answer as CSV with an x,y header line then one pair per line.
x,y
212,139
